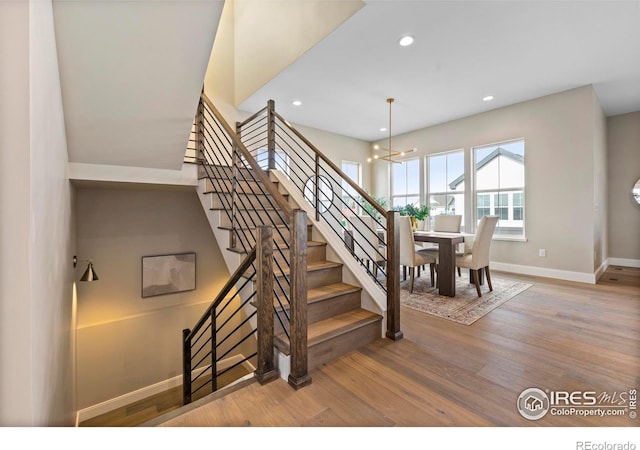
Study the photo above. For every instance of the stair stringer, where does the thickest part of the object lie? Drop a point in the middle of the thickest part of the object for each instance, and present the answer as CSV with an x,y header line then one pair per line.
x,y
373,298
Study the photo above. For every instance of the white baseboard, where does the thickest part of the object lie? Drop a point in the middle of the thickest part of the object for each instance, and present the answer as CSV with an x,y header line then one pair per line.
x,y
603,267
624,262
567,275
131,397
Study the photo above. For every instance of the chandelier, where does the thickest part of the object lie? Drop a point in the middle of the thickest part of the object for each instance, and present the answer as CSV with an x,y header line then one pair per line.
x,y
390,154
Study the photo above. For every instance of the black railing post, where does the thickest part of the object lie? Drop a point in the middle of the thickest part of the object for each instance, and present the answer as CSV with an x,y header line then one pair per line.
x,y
214,352
298,375
317,176
271,134
393,277
234,188
186,367
266,370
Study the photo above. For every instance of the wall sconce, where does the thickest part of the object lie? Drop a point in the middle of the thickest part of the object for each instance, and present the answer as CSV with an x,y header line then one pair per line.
x,y
89,274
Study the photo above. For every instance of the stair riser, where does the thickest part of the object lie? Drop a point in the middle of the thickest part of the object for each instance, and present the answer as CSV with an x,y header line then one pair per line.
x,y
222,171
279,237
321,277
226,186
315,253
253,218
333,306
340,345
330,307
244,201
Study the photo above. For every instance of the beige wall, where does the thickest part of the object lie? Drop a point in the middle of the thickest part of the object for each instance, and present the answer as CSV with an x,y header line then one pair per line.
x,y
126,342
16,398
338,148
623,140
36,379
271,35
222,78
600,222
559,174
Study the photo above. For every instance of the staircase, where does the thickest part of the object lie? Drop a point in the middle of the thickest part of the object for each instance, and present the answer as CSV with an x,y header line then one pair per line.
x,y
337,324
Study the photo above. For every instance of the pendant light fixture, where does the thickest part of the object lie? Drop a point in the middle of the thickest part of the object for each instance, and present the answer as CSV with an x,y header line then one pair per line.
x,y
390,154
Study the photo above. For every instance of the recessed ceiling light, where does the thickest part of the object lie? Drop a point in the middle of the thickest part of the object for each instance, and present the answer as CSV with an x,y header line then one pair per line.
x,y
296,103
383,129
488,98
406,41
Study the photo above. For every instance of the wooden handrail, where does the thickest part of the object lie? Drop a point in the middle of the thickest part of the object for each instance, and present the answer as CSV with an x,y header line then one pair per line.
x,y
268,184
344,176
246,121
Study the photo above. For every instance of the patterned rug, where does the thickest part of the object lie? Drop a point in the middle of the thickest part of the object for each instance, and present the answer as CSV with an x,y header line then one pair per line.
x,y
466,307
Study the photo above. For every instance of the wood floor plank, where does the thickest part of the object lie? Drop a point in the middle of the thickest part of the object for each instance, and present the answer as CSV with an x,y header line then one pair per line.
x,y
556,335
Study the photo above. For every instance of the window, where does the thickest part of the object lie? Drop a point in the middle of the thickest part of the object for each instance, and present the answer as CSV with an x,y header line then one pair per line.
x,y
282,160
405,185
445,184
349,194
499,185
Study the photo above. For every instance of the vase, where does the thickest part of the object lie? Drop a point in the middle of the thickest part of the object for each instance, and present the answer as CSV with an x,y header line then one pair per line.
x,y
421,225
414,223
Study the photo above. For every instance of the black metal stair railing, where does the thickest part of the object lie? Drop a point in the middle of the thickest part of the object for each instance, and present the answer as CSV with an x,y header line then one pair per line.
x,y
225,328
336,199
248,200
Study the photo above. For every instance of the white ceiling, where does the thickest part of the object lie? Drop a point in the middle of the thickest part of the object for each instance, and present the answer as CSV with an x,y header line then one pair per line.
x,y
464,50
131,74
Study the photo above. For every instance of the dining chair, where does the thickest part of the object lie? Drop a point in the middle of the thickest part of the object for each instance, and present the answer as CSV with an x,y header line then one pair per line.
x,y
447,223
477,249
366,241
409,257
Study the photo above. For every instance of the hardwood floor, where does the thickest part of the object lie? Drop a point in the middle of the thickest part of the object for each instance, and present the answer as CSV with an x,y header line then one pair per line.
x,y
556,335
157,405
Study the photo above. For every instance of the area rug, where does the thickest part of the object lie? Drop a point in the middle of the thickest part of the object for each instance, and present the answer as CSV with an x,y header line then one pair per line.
x,y
466,307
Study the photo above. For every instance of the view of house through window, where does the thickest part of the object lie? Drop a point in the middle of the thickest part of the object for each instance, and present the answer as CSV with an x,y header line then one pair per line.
x,y
499,185
405,185
445,183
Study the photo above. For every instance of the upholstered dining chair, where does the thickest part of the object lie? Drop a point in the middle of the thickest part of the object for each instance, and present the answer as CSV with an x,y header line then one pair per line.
x,y
366,240
409,257
447,223
476,251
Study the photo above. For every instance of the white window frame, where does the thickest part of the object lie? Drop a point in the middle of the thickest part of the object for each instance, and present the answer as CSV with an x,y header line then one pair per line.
x,y
408,194
509,191
348,194
447,193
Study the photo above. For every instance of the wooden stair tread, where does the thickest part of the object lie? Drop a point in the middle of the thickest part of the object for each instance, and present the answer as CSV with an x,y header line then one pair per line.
x,y
324,330
228,228
280,246
312,266
330,290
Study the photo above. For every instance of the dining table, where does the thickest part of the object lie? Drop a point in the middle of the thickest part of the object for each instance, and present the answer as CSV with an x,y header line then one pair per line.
x,y
447,243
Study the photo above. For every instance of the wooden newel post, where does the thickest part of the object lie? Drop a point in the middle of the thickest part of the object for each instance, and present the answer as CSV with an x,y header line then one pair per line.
x,y
298,375
266,370
393,277
271,134
186,367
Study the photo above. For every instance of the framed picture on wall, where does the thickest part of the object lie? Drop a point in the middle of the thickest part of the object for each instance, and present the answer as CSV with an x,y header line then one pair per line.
x,y
168,274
